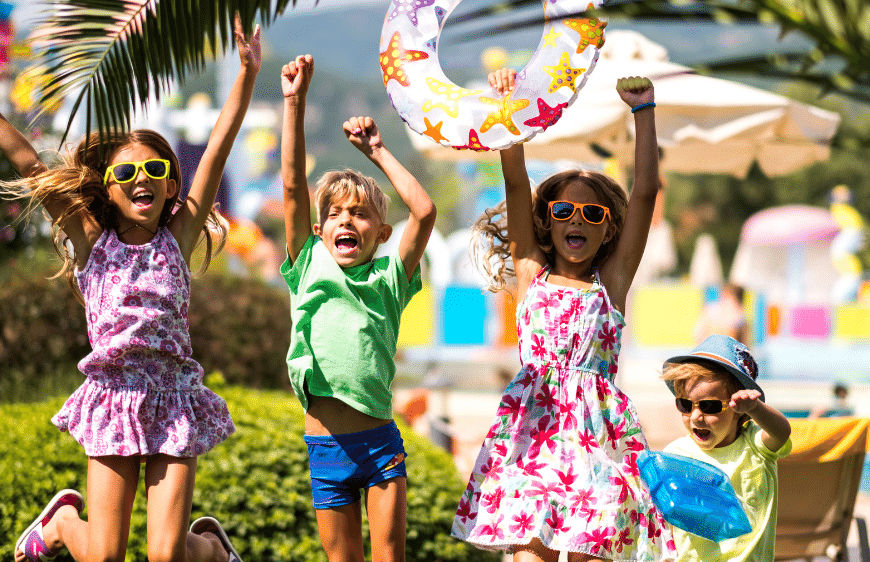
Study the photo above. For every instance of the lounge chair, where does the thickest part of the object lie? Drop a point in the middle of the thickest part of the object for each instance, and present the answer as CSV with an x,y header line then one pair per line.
x,y
818,485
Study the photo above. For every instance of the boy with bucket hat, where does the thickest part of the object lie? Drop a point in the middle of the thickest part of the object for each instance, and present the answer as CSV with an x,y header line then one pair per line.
x,y
729,426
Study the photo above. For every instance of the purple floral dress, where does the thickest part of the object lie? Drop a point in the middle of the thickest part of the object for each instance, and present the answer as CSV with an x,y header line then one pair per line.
x,y
560,462
143,394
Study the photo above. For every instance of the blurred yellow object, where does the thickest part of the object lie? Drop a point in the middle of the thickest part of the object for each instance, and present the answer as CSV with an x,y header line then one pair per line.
x,y
665,315
494,58
852,322
847,264
417,327
25,90
846,216
613,168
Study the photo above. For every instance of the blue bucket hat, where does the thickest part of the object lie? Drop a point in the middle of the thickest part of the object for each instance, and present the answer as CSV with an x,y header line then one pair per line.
x,y
727,352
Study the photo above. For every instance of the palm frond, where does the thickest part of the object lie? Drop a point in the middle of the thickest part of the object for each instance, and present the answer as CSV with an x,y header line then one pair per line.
x,y
113,55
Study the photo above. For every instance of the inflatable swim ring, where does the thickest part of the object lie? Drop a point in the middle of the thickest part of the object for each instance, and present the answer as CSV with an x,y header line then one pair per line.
x,y
693,495
483,119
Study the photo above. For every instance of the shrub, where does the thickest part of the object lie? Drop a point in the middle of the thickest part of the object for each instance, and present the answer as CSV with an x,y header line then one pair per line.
x,y
241,327
256,483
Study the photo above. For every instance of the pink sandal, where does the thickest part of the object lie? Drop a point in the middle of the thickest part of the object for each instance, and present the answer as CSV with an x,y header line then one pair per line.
x,y
31,542
211,525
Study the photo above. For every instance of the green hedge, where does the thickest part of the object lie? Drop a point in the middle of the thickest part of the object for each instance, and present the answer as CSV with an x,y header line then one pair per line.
x,y
240,327
256,483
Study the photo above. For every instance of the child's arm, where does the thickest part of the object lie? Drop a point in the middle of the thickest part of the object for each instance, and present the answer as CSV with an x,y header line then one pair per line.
x,y
295,79
775,428
190,218
363,133
618,272
528,259
527,256
18,150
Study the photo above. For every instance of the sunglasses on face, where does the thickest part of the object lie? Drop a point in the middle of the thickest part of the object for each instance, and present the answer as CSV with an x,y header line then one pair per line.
x,y
591,212
123,172
707,406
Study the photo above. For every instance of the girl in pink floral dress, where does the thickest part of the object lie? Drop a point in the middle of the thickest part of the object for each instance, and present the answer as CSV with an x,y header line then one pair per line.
x,y
115,203
558,469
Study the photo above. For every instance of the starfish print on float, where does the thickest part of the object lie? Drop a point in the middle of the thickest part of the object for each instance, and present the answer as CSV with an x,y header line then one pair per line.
x,y
395,57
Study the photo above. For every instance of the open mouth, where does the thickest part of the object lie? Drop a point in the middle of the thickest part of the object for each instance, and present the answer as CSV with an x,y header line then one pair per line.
x,y
701,434
143,199
575,241
346,243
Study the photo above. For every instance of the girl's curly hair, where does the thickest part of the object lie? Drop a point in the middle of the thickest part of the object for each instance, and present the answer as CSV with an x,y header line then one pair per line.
x,y
490,249
77,187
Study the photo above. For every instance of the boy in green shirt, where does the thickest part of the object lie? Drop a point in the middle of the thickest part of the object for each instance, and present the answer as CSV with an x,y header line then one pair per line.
x,y
730,427
346,307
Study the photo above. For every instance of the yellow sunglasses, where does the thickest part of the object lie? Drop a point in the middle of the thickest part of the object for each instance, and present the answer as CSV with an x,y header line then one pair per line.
x,y
123,172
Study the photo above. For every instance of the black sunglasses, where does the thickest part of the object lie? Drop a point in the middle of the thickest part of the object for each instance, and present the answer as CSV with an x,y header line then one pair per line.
x,y
707,406
591,212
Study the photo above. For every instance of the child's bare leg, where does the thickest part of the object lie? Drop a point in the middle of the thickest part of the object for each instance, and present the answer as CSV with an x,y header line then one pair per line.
x,y
535,551
169,483
386,505
112,483
580,557
340,530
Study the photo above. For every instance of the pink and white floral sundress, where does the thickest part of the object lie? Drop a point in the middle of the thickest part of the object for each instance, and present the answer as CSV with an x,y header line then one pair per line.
x,y
143,393
560,462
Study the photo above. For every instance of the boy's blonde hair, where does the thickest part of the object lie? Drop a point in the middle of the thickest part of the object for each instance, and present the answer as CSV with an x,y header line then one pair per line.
x,y
349,184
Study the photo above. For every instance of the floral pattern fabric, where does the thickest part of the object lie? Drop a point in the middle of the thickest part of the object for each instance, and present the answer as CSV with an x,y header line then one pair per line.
x,y
143,393
560,461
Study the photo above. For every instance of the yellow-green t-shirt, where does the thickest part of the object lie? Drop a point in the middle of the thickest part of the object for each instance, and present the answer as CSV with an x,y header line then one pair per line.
x,y
752,469
345,327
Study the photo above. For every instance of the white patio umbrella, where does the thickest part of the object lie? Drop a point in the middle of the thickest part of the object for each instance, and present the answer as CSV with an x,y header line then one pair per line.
x,y
704,124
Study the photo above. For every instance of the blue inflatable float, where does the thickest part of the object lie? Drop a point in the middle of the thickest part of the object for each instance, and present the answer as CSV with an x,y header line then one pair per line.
x,y
693,495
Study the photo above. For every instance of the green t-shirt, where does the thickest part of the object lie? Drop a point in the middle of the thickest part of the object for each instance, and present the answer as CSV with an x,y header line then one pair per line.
x,y
345,327
752,469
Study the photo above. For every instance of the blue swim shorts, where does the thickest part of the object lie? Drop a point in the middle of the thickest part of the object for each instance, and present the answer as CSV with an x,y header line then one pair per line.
x,y
342,465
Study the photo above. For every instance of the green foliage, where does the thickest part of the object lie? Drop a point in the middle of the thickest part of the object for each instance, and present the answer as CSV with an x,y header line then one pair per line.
x,y
240,327
256,483
42,335
127,51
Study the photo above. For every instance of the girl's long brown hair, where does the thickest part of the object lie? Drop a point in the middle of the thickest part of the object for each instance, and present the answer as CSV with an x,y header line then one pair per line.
x,y
76,186
490,246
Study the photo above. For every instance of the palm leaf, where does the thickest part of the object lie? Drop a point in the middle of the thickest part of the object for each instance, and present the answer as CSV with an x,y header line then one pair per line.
x,y
113,55
838,29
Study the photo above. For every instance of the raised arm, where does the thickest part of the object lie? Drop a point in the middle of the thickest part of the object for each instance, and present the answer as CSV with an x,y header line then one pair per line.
x,y
527,256
618,272
363,133
295,79
18,150
190,218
